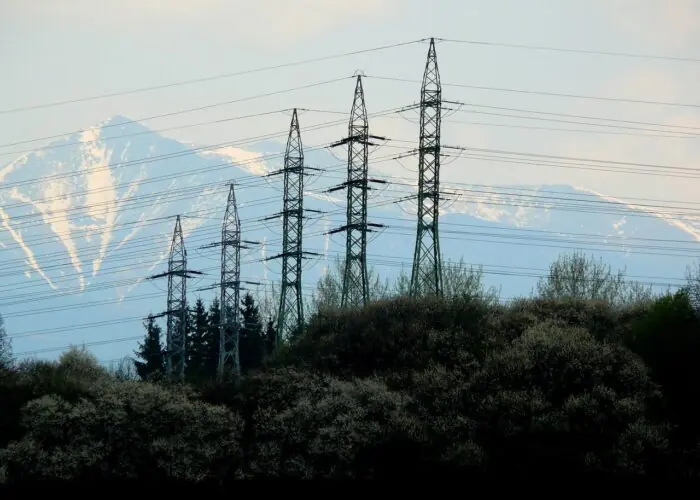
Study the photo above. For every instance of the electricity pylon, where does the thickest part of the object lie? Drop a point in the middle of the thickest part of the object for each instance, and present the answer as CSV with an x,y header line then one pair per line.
x,y
355,282
290,318
230,288
176,312
426,276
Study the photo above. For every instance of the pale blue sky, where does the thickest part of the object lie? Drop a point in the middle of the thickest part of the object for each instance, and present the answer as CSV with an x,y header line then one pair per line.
x,y
55,50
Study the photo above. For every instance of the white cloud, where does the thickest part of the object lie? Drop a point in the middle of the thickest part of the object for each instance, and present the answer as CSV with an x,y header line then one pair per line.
x,y
266,21
673,23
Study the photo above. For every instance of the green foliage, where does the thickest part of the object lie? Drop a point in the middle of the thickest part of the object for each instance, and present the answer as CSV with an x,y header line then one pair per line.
x,y
198,339
252,338
577,276
214,336
151,362
133,430
572,383
668,339
397,335
309,426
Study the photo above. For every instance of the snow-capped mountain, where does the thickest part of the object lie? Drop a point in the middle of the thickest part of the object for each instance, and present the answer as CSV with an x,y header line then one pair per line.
x,y
88,218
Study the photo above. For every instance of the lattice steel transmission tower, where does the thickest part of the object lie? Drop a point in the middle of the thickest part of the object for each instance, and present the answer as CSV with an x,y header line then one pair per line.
x,y
176,311
230,288
355,283
290,319
426,276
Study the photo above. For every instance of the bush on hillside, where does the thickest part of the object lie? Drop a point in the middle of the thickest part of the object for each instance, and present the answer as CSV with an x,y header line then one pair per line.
x,y
397,335
668,339
129,430
312,426
76,374
597,317
559,400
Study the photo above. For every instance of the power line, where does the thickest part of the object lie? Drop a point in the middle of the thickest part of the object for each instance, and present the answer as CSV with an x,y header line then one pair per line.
x,y
208,78
198,108
585,117
570,50
50,147
383,260
186,152
543,93
578,208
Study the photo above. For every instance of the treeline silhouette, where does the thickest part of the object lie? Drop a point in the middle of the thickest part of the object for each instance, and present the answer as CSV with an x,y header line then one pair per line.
x,y
592,375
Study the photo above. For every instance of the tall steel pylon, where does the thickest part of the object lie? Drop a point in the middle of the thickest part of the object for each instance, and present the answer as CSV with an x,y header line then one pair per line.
x,y
355,282
177,304
230,288
290,318
176,312
426,277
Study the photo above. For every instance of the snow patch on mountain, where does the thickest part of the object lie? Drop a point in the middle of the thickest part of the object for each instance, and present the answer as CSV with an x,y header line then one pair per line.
x,y
247,160
677,221
516,209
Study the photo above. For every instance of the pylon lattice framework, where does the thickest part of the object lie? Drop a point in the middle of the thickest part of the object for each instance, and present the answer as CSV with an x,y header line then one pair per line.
x,y
291,315
355,290
426,276
177,305
229,357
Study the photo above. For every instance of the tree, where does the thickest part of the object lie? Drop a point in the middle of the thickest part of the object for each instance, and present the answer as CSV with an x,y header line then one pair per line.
x,y
150,352
198,339
329,289
458,281
5,345
124,369
214,334
692,275
270,336
577,276
462,281
251,342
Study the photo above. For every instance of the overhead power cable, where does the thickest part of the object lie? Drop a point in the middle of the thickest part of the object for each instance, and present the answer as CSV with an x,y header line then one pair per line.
x,y
571,50
543,93
208,78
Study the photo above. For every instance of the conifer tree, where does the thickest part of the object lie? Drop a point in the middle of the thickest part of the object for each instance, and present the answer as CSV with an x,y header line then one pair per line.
x,y
270,336
197,341
251,343
212,357
150,352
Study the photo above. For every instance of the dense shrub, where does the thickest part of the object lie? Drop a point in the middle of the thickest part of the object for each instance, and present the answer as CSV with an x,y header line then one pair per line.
x,y
305,426
667,337
597,317
397,335
558,399
403,388
130,430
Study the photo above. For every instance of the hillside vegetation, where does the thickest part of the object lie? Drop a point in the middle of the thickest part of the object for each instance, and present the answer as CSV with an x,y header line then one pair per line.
x,y
558,384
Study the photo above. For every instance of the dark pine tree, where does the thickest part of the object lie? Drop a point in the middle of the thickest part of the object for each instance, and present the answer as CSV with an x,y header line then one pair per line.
x,y
270,336
197,342
212,358
252,342
150,353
